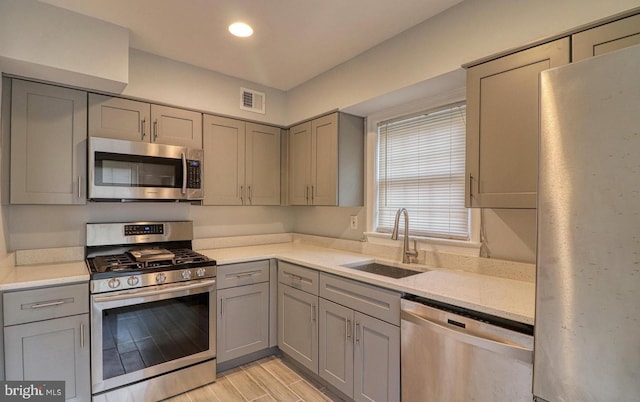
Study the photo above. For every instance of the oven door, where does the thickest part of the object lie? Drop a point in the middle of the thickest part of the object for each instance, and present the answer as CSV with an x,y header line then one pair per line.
x,y
139,334
129,170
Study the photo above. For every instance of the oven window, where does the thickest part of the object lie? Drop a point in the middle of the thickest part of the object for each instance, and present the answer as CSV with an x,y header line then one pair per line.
x,y
144,335
123,170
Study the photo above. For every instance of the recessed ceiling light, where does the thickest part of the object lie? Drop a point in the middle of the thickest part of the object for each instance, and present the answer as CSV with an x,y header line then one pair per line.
x,y
240,29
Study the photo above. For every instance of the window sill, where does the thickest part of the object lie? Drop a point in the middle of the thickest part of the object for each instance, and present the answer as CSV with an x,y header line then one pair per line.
x,y
465,247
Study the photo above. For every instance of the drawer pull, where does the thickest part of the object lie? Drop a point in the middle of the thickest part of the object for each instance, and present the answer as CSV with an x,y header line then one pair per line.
x,y
246,274
47,304
294,277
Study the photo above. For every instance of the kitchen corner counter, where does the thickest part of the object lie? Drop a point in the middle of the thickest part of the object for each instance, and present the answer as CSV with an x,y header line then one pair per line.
x,y
506,298
32,276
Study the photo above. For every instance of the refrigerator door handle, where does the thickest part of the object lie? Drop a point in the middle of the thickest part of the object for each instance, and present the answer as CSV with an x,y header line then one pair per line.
x,y
504,349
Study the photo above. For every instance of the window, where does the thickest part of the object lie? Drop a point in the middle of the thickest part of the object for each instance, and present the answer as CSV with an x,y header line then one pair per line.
x,y
421,168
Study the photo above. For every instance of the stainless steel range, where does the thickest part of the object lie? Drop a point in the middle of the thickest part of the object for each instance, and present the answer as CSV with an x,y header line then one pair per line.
x,y
153,305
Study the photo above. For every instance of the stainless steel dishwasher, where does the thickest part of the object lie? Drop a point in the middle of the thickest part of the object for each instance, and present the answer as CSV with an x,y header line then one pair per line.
x,y
449,354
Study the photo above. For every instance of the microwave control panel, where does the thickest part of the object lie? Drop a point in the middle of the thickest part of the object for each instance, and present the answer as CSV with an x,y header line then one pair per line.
x,y
193,174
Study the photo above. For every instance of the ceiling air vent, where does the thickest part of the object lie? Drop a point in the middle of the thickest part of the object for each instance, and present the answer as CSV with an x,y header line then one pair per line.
x,y
252,100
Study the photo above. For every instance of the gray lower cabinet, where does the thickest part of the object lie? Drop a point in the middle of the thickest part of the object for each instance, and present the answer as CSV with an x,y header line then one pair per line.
x,y
46,337
376,360
243,324
358,354
298,325
48,144
243,321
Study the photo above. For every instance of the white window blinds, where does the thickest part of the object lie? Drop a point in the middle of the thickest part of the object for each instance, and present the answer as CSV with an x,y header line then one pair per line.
x,y
421,168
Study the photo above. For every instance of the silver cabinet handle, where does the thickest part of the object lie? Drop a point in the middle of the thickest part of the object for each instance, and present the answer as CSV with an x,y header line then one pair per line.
x,y
79,186
357,332
348,329
517,352
242,195
143,123
221,308
313,313
82,335
184,173
250,195
48,304
470,189
306,194
312,190
155,130
246,274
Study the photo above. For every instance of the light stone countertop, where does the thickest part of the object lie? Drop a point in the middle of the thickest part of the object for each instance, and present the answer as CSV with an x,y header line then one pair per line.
x,y
506,298
38,275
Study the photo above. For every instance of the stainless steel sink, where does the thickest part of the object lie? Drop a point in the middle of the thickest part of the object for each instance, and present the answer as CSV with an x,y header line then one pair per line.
x,y
384,270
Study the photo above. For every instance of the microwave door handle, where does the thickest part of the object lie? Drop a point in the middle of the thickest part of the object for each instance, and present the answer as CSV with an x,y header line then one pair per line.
x,y
184,174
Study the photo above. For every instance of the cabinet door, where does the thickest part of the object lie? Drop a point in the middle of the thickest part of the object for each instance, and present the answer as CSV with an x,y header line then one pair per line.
x,y
297,326
122,119
174,126
300,164
502,126
262,164
53,350
324,160
48,144
335,350
377,360
243,321
606,38
224,161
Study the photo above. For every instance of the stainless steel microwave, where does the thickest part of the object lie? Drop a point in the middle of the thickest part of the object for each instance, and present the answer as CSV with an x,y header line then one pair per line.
x,y
130,170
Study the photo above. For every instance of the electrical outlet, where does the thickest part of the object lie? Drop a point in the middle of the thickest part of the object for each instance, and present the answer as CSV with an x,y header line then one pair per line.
x,y
354,221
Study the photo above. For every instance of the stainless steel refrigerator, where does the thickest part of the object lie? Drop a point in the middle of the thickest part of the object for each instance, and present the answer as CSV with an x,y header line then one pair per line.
x,y
587,326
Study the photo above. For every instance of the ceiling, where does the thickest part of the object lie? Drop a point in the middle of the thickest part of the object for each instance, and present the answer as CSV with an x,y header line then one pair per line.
x,y
294,40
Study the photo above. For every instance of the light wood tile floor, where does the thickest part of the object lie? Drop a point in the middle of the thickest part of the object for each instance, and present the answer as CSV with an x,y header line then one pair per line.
x,y
269,379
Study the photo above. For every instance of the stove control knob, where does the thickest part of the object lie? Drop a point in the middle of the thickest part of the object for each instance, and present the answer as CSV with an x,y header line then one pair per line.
x,y
186,274
114,283
133,280
161,277
201,271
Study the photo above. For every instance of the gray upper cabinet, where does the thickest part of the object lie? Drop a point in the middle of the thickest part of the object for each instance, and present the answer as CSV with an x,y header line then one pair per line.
x,y
48,144
606,38
502,126
326,161
242,162
126,119
122,119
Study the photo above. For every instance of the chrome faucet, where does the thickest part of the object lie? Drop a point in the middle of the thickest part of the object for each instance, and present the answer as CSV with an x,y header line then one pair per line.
x,y
406,252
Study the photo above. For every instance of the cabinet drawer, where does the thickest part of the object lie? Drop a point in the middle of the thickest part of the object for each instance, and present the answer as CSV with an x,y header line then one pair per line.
x,y
374,301
246,273
45,303
298,277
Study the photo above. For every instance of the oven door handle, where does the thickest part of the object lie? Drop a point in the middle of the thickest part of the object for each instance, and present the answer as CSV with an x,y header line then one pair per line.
x,y
165,289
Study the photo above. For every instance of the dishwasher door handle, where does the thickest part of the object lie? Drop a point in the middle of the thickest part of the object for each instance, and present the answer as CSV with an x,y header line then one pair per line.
x,y
504,349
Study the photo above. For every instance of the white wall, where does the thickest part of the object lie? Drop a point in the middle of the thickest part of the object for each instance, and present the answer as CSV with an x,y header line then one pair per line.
x,y
163,80
423,60
41,41
468,31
